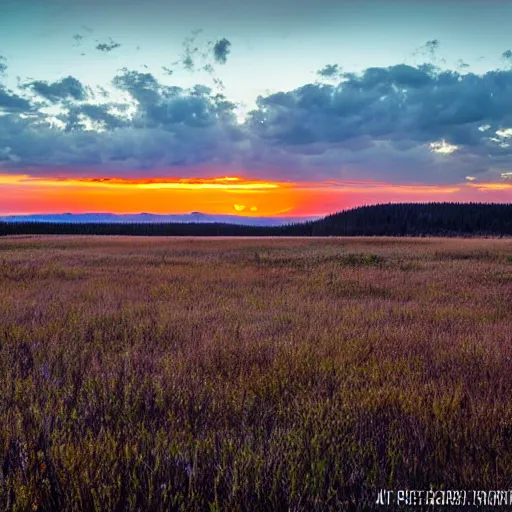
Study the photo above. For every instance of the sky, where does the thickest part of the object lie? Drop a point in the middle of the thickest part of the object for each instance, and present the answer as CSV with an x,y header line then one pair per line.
x,y
267,108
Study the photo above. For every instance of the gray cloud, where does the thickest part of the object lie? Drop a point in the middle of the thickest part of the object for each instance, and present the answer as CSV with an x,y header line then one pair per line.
x,y
170,126
432,45
166,106
329,71
78,38
68,88
221,50
3,65
101,116
462,65
201,56
143,87
397,103
190,51
103,92
11,102
107,47
401,108
376,124
188,62
428,51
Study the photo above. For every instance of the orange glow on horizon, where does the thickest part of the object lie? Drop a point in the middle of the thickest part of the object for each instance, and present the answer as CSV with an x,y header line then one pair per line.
x,y
491,186
24,194
228,182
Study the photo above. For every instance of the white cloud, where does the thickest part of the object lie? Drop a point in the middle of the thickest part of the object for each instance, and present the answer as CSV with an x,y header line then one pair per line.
x,y
443,147
506,133
499,141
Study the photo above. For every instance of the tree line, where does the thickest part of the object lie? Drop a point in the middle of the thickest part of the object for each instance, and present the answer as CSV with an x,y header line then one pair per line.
x,y
399,219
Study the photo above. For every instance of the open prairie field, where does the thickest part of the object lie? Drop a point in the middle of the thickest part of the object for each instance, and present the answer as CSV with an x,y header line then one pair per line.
x,y
251,374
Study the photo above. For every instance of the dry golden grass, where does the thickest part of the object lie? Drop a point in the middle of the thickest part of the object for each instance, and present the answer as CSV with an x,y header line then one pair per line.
x,y
251,374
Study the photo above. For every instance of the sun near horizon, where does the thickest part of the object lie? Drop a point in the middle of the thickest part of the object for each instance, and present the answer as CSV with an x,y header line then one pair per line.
x,y
223,195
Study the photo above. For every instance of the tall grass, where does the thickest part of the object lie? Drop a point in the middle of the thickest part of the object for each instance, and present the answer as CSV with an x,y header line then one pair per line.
x,y
287,374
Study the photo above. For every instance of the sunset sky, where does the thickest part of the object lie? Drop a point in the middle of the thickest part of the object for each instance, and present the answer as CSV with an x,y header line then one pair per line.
x,y
268,108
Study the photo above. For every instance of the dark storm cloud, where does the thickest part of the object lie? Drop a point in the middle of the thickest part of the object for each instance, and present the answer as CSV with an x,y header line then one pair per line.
x,y
221,50
378,124
107,47
68,88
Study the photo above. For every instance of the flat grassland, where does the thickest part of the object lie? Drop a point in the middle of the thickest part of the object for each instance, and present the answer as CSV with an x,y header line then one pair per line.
x,y
251,374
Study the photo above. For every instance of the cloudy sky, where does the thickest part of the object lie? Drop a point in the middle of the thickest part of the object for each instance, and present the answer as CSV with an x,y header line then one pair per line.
x,y
274,107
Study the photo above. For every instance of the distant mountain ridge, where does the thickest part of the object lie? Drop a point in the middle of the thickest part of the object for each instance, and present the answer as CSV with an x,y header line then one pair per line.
x,y
138,218
398,219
